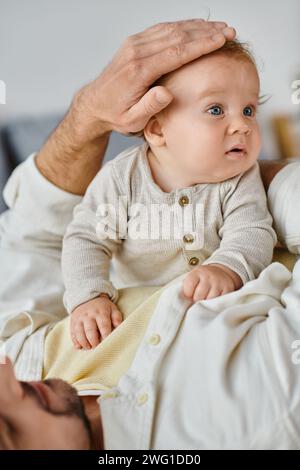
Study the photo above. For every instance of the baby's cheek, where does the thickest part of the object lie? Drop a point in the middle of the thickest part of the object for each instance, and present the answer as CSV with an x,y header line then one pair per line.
x,y
257,139
204,156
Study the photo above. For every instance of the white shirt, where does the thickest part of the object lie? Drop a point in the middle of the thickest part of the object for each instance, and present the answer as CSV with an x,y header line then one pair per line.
x,y
221,376
218,375
31,287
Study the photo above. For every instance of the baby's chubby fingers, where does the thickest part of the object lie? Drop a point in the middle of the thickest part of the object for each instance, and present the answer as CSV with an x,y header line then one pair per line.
x,y
202,283
81,336
104,322
91,331
215,291
190,283
91,322
202,289
75,341
73,323
116,317
73,335
215,280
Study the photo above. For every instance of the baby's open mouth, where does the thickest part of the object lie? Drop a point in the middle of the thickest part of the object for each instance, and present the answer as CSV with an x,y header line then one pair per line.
x,y
238,151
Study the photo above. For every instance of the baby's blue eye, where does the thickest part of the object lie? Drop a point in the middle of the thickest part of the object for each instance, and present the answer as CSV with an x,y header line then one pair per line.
x,y
215,110
248,111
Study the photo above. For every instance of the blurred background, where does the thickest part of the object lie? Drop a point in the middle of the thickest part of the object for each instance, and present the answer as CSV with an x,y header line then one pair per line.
x,y
51,48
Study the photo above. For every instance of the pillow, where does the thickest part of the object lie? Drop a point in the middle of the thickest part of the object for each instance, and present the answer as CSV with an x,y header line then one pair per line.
x,y
284,204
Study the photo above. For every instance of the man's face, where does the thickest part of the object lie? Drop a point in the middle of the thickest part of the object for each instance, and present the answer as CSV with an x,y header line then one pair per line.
x,y
214,110
40,415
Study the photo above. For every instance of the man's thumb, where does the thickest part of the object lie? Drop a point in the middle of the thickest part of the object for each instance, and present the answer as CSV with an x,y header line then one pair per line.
x,y
156,99
162,96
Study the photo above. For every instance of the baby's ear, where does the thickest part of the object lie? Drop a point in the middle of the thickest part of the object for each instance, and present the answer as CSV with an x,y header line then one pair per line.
x,y
153,132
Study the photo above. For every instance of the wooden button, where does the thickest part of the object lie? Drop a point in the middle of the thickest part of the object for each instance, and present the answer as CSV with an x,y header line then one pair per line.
x,y
194,261
188,238
183,201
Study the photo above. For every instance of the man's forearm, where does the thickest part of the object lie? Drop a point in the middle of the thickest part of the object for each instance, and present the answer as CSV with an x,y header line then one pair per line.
x,y
72,156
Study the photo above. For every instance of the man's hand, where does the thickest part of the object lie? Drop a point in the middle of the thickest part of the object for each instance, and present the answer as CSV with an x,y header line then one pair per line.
x,y
209,281
93,321
120,98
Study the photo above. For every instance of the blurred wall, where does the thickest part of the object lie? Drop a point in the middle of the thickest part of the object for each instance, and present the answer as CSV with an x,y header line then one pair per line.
x,y
50,48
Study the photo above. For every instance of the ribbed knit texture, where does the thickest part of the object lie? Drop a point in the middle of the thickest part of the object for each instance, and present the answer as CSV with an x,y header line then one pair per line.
x,y
229,222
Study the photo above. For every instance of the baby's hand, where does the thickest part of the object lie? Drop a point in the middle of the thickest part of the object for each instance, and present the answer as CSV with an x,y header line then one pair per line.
x,y
93,321
209,281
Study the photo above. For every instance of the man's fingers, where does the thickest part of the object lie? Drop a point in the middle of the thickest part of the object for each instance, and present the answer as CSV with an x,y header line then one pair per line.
x,y
181,53
142,59
229,32
157,44
161,30
170,42
81,336
91,332
116,317
180,48
156,99
158,55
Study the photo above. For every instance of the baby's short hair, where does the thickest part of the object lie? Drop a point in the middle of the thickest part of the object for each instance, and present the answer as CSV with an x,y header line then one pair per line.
x,y
233,49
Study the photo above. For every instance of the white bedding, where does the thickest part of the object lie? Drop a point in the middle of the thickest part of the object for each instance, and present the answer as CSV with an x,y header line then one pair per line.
x,y
223,375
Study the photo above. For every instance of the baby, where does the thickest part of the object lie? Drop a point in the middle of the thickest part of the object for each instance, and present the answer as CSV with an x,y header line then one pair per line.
x,y
188,201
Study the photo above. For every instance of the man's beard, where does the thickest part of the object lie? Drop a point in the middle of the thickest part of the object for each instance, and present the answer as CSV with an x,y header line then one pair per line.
x,y
72,404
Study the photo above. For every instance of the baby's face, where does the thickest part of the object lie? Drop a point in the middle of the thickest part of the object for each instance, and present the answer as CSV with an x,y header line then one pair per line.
x,y
213,111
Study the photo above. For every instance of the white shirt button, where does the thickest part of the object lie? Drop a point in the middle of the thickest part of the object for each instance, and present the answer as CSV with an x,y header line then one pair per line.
x,y
154,339
142,398
112,394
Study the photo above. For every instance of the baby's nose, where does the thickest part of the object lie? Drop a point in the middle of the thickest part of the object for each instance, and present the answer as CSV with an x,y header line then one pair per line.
x,y
239,128
244,129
